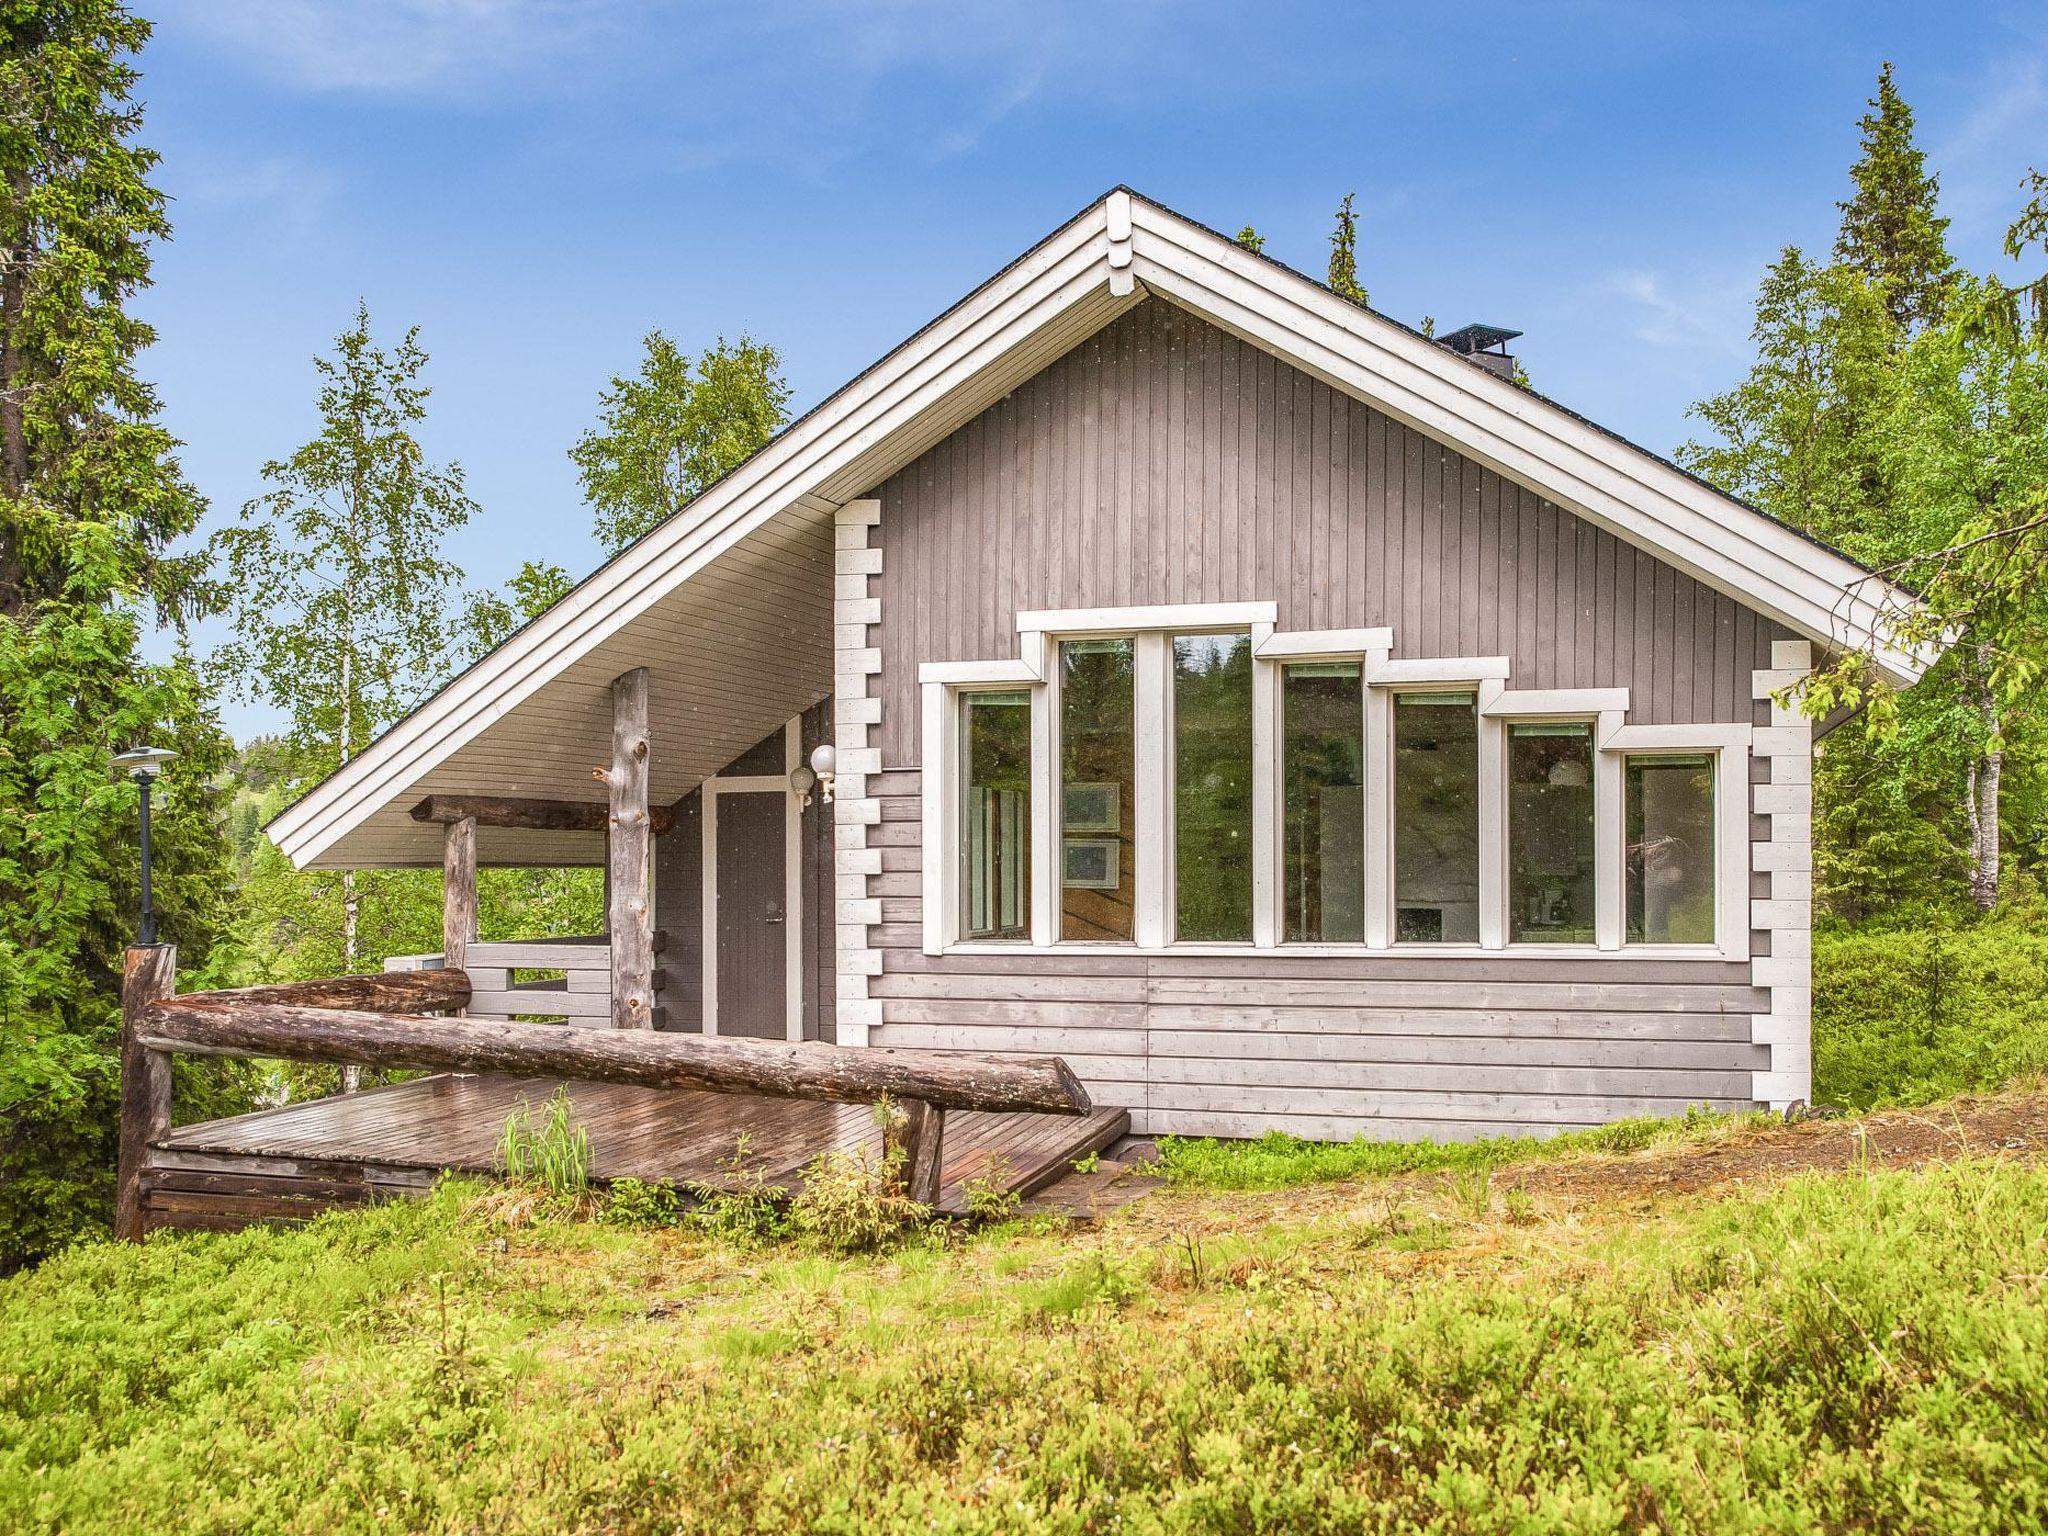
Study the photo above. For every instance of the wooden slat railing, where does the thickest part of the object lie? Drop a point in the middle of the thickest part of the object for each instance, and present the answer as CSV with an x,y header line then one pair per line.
x,y
316,1021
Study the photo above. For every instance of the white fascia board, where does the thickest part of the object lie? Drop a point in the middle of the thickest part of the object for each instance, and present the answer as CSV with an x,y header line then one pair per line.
x,y
993,321
1627,492
1322,644
1072,621
1535,703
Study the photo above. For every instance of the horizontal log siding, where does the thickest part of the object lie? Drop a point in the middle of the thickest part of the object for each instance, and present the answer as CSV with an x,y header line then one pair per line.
x,y
1164,461
1325,1045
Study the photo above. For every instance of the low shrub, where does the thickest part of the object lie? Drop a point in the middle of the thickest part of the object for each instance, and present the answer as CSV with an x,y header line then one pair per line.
x,y
1861,1351
1909,1017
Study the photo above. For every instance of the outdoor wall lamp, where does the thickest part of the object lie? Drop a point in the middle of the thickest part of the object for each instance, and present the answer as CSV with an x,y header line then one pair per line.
x,y
823,761
143,764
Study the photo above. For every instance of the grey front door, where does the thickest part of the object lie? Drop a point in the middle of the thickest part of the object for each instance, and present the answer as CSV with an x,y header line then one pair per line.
x,y
752,929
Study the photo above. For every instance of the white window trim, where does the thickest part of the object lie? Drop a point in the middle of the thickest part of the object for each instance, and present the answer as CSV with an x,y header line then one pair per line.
x,y
944,684
1729,745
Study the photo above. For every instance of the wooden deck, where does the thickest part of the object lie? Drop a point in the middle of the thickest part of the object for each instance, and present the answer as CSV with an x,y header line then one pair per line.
x,y
292,1163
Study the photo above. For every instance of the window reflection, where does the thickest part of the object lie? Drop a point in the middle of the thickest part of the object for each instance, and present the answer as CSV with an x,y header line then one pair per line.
x,y
1212,787
1323,804
1098,875
1436,818
1671,850
995,816
1550,834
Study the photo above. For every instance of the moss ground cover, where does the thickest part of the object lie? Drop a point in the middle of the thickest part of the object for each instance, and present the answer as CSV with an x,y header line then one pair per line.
x,y
1860,1349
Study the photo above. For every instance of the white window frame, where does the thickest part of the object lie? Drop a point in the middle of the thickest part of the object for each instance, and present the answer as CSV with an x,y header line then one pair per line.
x,y
1382,677
1729,746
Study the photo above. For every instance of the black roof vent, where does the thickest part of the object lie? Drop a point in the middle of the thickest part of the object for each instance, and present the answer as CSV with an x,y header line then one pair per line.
x,y
1486,345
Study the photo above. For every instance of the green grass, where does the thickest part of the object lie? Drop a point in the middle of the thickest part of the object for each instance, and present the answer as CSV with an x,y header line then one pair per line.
x,y
1278,1161
1858,1351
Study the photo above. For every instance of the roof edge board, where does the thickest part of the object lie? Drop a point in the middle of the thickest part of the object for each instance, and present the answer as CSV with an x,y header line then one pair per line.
x,y
1038,290
1172,253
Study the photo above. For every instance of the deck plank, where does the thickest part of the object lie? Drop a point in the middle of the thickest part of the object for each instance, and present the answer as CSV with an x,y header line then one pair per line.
x,y
407,1132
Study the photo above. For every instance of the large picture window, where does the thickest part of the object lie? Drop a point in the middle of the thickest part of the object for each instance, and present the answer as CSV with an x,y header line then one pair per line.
x,y
995,815
1212,787
1098,773
1551,865
1436,818
1323,803
1670,849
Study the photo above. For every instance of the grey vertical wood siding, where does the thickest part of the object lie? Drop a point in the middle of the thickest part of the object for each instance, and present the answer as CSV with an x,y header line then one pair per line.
x,y
1396,1046
1164,461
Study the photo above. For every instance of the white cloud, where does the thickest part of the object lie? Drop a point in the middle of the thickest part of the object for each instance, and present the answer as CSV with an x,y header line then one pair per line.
x,y
438,46
1982,158
1700,312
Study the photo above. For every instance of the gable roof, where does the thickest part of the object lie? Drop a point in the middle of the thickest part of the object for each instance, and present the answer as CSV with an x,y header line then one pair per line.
x,y
753,551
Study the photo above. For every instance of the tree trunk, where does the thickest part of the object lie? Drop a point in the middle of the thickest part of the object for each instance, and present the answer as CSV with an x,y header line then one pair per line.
x,y
1986,773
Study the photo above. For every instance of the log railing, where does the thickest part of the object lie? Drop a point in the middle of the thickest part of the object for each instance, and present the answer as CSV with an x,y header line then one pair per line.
x,y
373,1021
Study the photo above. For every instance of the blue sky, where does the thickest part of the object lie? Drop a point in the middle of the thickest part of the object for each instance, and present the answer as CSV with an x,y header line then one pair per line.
x,y
537,183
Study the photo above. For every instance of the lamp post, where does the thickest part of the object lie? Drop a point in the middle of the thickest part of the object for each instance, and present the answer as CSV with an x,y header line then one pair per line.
x,y
143,764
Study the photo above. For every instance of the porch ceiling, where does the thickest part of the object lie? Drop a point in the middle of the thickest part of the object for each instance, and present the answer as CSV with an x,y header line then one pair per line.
x,y
731,654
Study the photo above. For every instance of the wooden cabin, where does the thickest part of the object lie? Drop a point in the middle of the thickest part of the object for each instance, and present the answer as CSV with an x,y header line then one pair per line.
x,y
1281,716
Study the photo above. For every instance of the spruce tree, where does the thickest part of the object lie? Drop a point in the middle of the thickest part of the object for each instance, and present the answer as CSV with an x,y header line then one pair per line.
x,y
1890,230
91,504
1344,255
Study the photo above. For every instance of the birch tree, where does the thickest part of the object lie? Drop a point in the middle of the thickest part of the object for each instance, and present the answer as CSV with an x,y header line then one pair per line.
x,y
672,429
342,603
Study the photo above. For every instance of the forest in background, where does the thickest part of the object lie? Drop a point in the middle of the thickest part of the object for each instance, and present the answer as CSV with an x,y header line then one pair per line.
x,y
1897,408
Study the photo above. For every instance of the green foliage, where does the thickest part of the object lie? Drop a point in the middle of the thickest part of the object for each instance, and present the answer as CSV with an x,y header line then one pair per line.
x,y
1251,239
1344,255
674,428
91,501
989,1194
1915,1014
851,1203
1890,231
550,1151
1277,1160
1859,1352
640,1203
743,1207
534,588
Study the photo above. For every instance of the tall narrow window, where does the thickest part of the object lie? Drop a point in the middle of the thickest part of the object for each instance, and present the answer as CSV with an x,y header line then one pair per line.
x,y
1098,805
1323,809
1550,834
1436,818
995,815
1212,787
1671,850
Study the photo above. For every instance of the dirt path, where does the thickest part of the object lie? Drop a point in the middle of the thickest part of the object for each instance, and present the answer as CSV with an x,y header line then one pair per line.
x,y
2010,1124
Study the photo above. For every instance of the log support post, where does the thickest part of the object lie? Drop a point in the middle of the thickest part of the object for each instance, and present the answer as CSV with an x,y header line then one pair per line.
x,y
629,857
148,972
458,892
918,1131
